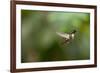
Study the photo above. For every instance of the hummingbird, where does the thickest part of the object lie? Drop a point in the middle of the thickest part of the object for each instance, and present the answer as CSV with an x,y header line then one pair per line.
x,y
67,36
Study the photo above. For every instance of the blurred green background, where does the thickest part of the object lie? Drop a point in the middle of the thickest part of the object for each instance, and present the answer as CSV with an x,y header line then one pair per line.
x,y
40,43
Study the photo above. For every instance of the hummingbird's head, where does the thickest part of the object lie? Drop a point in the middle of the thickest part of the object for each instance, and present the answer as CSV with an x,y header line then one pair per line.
x,y
74,31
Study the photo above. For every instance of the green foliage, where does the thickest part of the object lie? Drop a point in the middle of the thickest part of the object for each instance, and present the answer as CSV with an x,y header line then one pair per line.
x,y
39,41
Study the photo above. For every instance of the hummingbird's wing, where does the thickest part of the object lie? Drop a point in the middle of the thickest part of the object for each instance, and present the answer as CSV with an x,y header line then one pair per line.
x,y
63,35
